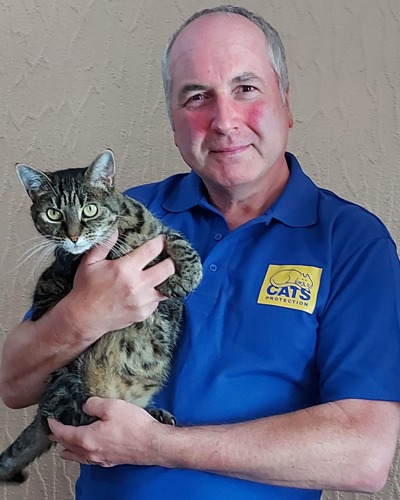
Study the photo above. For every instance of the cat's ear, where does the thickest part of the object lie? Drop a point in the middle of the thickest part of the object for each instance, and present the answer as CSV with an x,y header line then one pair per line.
x,y
34,181
102,171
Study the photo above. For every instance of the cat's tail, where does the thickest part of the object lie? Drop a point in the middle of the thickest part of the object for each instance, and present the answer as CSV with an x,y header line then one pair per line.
x,y
31,443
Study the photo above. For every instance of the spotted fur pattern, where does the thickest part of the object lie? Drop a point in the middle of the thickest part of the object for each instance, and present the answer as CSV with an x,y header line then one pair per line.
x,y
76,209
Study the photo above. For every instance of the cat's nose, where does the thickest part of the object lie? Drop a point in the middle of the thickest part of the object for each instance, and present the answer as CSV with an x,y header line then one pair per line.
x,y
74,239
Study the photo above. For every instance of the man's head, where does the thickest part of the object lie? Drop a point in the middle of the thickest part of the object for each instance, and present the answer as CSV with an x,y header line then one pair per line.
x,y
229,115
274,46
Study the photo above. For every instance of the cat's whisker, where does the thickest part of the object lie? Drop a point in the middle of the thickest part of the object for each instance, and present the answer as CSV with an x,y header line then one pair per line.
x,y
108,246
29,240
31,252
40,246
118,252
34,239
121,248
45,254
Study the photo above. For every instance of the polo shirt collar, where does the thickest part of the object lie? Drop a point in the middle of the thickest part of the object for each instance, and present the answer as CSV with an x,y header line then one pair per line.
x,y
188,194
297,205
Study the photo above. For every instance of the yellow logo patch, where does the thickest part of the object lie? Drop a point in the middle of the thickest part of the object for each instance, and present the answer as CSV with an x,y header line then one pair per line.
x,y
292,286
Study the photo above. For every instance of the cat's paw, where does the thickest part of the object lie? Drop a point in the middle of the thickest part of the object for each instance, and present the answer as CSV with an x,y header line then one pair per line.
x,y
163,416
189,270
176,287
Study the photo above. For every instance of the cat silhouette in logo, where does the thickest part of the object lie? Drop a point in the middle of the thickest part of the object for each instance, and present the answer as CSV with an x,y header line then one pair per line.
x,y
287,277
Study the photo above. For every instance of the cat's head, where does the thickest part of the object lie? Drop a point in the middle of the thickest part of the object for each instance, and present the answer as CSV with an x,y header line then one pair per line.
x,y
75,208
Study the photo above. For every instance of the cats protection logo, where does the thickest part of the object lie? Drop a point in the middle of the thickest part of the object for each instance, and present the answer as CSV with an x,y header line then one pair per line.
x,y
294,287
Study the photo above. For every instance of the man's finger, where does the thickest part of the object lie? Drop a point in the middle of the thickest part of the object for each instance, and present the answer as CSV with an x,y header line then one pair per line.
x,y
148,251
100,252
158,273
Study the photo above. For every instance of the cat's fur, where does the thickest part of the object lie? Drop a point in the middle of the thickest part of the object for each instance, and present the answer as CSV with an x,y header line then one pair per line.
x,y
129,364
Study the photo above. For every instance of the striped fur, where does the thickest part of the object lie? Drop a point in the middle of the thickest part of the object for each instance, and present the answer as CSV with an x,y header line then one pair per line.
x,y
130,364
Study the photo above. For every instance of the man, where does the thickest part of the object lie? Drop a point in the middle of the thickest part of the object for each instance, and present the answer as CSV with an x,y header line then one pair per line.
x,y
285,379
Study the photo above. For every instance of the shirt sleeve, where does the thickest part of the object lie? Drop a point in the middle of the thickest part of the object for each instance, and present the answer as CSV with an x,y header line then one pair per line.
x,y
358,347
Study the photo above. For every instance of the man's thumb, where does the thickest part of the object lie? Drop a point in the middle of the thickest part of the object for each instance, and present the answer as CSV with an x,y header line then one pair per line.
x,y
95,407
100,251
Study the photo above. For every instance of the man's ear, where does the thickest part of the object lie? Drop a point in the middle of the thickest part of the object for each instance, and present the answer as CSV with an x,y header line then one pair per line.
x,y
288,109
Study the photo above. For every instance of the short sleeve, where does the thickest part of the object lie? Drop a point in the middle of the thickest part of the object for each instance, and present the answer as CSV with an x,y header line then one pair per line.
x,y
358,347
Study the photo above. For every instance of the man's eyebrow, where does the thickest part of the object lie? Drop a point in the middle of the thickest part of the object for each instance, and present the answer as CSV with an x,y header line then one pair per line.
x,y
245,77
191,87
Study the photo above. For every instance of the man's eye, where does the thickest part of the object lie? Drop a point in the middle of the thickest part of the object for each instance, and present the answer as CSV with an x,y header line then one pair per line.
x,y
196,98
248,88
245,92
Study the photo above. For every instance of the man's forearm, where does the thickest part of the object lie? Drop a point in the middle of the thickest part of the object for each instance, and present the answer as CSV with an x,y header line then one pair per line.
x,y
33,350
347,445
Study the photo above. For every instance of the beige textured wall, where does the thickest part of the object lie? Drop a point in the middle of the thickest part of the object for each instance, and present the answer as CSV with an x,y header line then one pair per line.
x,y
79,75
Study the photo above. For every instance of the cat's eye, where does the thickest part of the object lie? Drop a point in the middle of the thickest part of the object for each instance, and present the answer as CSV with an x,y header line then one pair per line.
x,y
54,215
90,210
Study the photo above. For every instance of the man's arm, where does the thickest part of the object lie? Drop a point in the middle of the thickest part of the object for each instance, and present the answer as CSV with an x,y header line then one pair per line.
x,y
107,295
346,445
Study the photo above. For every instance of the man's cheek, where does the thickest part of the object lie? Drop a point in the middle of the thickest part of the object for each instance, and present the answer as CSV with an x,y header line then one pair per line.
x,y
256,115
197,123
191,131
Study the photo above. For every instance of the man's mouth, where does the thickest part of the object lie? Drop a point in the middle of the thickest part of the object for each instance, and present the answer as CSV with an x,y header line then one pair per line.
x,y
229,150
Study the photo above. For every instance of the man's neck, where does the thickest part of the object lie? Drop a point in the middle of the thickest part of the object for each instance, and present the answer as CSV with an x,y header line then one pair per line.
x,y
244,203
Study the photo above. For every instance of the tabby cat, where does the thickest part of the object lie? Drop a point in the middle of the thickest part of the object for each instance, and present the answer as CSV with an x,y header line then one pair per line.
x,y
76,209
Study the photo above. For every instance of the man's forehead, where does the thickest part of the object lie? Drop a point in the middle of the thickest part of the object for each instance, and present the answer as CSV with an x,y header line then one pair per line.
x,y
219,27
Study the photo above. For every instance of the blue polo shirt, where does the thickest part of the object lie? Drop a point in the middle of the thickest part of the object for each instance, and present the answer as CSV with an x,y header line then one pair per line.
x,y
297,307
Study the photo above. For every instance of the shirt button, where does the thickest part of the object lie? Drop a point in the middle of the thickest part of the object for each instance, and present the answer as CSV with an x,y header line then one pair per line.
x,y
213,267
217,236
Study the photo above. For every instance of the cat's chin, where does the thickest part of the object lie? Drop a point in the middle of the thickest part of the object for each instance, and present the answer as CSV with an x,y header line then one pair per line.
x,y
77,250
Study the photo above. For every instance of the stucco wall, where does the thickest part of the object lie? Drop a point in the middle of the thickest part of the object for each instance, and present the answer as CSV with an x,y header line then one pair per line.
x,y
77,76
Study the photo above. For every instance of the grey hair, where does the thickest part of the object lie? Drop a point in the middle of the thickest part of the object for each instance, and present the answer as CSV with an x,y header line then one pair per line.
x,y
275,49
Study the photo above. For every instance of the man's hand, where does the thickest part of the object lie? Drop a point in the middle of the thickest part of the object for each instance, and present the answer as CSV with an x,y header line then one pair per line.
x,y
125,434
110,295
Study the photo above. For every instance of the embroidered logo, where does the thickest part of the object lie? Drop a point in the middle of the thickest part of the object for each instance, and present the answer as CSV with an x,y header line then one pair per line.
x,y
291,286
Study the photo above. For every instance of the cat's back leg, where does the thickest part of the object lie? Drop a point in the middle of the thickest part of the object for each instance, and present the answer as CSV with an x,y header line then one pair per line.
x,y
65,395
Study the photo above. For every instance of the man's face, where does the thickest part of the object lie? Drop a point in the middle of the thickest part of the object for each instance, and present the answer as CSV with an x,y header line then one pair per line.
x,y
229,121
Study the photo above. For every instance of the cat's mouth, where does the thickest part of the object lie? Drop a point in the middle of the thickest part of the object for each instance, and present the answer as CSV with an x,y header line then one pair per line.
x,y
77,247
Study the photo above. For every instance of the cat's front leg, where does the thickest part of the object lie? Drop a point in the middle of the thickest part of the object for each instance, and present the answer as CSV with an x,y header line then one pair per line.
x,y
188,267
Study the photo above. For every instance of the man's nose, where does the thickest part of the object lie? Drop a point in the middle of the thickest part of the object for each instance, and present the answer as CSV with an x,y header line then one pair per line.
x,y
225,115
